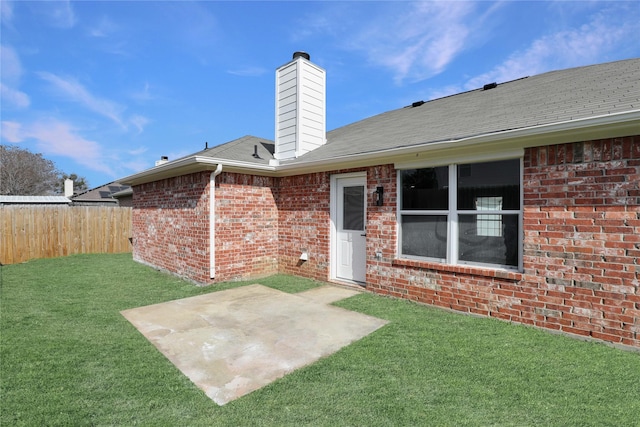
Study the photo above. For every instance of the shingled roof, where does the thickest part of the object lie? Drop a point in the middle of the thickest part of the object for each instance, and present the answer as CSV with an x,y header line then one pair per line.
x,y
249,149
553,97
100,195
565,98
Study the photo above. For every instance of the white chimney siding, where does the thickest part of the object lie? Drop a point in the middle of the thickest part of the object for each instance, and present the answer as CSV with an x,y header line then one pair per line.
x,y
68,187
300,108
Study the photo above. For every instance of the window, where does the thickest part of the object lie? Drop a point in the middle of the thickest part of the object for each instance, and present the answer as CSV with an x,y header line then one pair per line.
x,y
489,225
353,213
462,214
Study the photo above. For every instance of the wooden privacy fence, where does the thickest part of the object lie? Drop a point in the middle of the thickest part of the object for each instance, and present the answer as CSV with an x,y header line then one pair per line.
x,y
31,231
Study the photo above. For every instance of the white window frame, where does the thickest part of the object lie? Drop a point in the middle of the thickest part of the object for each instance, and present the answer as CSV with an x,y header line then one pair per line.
x,y
453,214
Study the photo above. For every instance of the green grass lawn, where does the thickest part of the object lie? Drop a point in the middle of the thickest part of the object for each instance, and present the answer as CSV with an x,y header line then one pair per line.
x,y
69,358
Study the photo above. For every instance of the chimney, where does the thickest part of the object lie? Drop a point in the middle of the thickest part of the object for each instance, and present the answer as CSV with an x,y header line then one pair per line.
x,y
68,188
162,161
300,107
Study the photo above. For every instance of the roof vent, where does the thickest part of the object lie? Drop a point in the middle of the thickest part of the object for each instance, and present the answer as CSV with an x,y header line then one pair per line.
x,y
490,86
417,104
255,152
305,55
162,161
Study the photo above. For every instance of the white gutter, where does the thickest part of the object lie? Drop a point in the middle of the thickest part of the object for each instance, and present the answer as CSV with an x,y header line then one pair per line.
x,y
212,221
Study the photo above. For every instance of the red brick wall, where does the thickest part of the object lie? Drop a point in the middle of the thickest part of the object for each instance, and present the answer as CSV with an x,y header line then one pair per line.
x,y
304,218
171,225
381,226
246,227
581,239
581,247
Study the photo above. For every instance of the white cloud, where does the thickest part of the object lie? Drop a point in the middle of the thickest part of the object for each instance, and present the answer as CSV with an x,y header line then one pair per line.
x,y
14,97
137,151
58,138
11,132
248,72
418,43
78,93
11,74
139,122
6,11
11,66
587,44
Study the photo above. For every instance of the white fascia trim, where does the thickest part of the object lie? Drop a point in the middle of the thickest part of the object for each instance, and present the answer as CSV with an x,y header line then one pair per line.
x,y
189,165
167,170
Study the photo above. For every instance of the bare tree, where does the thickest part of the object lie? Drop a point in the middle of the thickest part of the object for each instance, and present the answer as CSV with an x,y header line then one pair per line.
x,y
23,173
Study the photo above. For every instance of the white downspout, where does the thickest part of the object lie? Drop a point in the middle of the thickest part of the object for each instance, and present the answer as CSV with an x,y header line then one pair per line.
x,y
212,221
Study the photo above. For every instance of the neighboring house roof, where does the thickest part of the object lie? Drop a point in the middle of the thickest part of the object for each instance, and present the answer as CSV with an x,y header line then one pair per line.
x,y
594,101
101,194
34,200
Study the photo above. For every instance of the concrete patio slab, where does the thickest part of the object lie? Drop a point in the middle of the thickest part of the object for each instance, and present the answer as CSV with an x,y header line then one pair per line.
x,y
328,294
232,342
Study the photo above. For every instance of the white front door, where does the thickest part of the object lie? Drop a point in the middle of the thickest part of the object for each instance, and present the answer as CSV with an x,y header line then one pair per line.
x,y
350,217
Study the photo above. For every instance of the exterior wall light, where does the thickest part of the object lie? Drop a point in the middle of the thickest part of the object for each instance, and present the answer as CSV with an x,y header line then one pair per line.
x,y
379,195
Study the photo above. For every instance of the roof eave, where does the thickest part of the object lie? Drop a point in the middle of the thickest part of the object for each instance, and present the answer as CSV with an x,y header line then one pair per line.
x,y
166,170
604,126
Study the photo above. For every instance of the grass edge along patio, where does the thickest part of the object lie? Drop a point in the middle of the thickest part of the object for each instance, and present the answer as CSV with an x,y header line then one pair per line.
x,y
68,357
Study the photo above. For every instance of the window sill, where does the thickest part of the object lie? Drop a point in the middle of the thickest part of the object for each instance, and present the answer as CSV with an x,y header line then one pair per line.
x,y
459,269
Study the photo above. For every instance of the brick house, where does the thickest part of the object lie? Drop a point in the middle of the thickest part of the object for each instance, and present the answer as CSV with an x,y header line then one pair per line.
x,y
518,200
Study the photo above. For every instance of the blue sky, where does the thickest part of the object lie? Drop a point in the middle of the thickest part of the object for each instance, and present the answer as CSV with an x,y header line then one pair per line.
x,y
105,88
